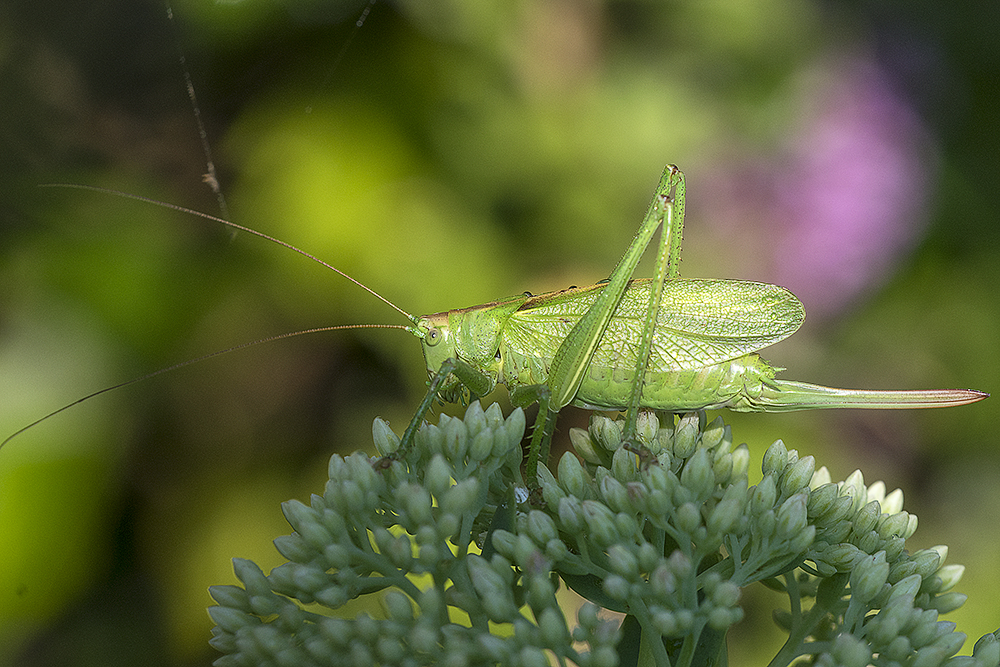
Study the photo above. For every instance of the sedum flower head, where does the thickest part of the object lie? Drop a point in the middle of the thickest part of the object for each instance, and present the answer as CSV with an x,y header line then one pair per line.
x,y
453,562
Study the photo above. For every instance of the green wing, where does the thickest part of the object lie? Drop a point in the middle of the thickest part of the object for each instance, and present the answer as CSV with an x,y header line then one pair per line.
x,y
701,322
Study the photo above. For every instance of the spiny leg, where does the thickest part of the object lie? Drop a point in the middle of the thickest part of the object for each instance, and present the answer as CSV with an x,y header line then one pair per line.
x,y
670,207
572,360
476,382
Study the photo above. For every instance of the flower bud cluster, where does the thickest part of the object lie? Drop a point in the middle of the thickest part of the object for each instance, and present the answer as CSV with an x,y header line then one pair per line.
x,y
663,528
371,531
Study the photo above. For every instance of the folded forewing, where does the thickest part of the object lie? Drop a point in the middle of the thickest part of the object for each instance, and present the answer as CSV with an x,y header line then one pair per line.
x,y
701,322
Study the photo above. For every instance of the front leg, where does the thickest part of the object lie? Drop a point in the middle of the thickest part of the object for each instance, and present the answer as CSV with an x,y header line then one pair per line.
x,y
478,384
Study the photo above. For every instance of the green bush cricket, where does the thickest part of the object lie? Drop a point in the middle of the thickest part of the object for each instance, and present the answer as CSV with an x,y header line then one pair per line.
x,y
662,343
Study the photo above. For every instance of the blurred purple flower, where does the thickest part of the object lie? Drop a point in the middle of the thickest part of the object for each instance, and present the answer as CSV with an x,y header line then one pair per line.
x,y
830,213
854,193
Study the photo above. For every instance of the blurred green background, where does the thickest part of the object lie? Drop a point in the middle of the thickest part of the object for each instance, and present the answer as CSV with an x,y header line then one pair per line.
x,y
447,153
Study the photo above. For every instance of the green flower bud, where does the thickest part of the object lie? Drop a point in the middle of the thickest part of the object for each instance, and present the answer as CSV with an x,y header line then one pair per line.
x,y
842,556
617,587
541,527
462,498
297,514
686,435
552,626
791,518
570,515
552,493
868,577
604,656
430,437
614,495
648,557
820,478
507,441
482,444
821,499
775,459
720,618
906,587
233,597
898,649
647,427
851,651
456,440
531,656
665,622
623,465
429,553
600,522
541,593
687,518
802,540
447,525
866,518
764,524
485,579
623,562
607,432
741,462
840,509
556,550
662,581
504,543
722,468
928,628
661,479
894,548
658,506
763,496
414,502
892,524
797,476
573,477
724,517
714,434
782,619
437,477
587,616
911,527
950,576
584,446
231,620
870,543
697,475
400,552
927,562
331,596
854,487
726,594
386,442
948,602
334,522
524,550
949,643
491,647
987,650
294,548
424,637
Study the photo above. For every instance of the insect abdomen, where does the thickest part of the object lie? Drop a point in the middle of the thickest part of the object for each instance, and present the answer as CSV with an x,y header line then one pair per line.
x,y
733,384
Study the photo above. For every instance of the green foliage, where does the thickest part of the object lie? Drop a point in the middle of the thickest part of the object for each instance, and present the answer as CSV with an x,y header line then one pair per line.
x,y
469,568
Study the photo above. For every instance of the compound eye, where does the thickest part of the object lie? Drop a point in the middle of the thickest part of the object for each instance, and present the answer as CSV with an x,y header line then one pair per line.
x,y
433,336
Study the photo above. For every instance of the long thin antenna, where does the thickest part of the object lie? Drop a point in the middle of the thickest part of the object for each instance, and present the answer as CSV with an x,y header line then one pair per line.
x,y
269,339
184,209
